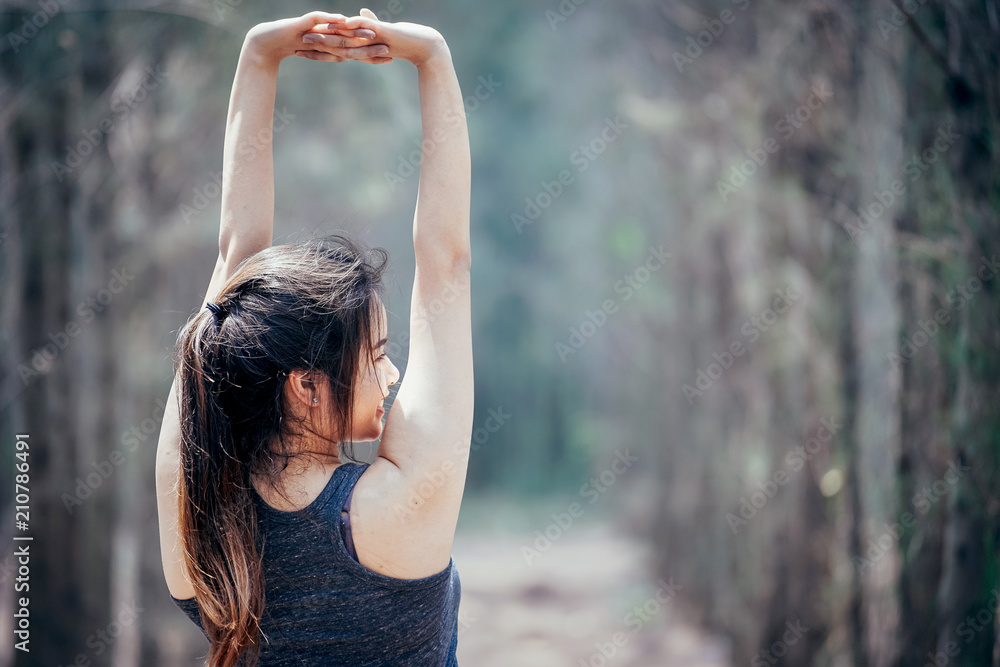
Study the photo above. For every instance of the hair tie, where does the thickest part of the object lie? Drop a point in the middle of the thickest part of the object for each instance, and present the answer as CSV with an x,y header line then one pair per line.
x,y
216,311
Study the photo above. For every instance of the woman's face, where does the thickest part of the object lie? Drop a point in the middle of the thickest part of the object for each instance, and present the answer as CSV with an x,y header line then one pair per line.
x,y
373,389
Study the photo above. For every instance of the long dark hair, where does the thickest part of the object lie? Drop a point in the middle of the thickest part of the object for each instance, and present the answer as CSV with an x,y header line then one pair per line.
x,y
312,306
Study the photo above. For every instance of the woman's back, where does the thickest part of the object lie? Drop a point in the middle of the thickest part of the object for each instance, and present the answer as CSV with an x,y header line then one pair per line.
x,y
288,360
322,607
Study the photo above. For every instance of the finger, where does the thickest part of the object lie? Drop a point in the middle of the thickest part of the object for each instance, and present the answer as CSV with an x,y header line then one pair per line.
x,y
361,22
321,56
374,61
370,52
338,58
363,52
367,13
354,52
312,19
334,29
363,33
333,41
324,17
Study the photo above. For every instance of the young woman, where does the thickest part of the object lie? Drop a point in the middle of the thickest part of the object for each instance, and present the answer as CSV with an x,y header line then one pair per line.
x,y
282,552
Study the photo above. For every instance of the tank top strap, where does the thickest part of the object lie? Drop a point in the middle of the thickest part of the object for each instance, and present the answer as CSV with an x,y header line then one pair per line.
x,y
346,475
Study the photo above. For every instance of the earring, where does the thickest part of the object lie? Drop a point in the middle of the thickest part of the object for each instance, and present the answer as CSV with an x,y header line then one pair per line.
x,y
315,400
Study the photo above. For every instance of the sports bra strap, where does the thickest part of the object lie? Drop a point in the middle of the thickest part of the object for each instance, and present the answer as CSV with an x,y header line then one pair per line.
x,y
345,526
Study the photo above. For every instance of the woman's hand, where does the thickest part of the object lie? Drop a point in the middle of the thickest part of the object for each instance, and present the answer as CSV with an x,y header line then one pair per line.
x,y
407,41
272,42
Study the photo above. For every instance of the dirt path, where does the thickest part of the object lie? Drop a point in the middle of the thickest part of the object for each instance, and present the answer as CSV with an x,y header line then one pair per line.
x,y
587,600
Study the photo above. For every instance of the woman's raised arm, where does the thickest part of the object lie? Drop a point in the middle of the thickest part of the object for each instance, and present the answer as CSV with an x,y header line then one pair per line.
x,y
247,220
404,516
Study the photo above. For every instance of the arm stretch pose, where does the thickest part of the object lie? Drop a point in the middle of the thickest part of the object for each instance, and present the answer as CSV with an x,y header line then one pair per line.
x,y
282,552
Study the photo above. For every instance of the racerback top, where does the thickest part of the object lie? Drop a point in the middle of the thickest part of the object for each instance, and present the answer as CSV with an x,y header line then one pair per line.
x,y
322,607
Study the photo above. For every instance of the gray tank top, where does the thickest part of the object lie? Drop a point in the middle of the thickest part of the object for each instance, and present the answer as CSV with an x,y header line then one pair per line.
x,y
322,607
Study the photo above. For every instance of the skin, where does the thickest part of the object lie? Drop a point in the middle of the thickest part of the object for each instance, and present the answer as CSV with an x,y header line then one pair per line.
x,y
403,526
306,475
373,389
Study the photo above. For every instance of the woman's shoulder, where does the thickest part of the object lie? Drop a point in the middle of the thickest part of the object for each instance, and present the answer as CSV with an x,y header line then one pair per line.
x,y
395,530
306,491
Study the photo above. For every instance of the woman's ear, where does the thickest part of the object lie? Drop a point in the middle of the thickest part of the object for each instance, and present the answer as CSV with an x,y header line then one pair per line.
x,y
303,388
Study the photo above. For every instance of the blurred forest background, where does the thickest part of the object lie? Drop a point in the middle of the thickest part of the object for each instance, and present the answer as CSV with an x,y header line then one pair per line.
x,y
736,313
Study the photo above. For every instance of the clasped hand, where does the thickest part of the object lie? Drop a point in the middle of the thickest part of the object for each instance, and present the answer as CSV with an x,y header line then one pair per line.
x,y
336,38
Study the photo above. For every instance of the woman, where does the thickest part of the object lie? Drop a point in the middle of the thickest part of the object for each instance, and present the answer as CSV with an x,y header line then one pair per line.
x,y
281,551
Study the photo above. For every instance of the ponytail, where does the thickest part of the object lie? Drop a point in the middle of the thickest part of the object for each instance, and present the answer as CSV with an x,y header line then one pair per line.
x,y
314,306
217,515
